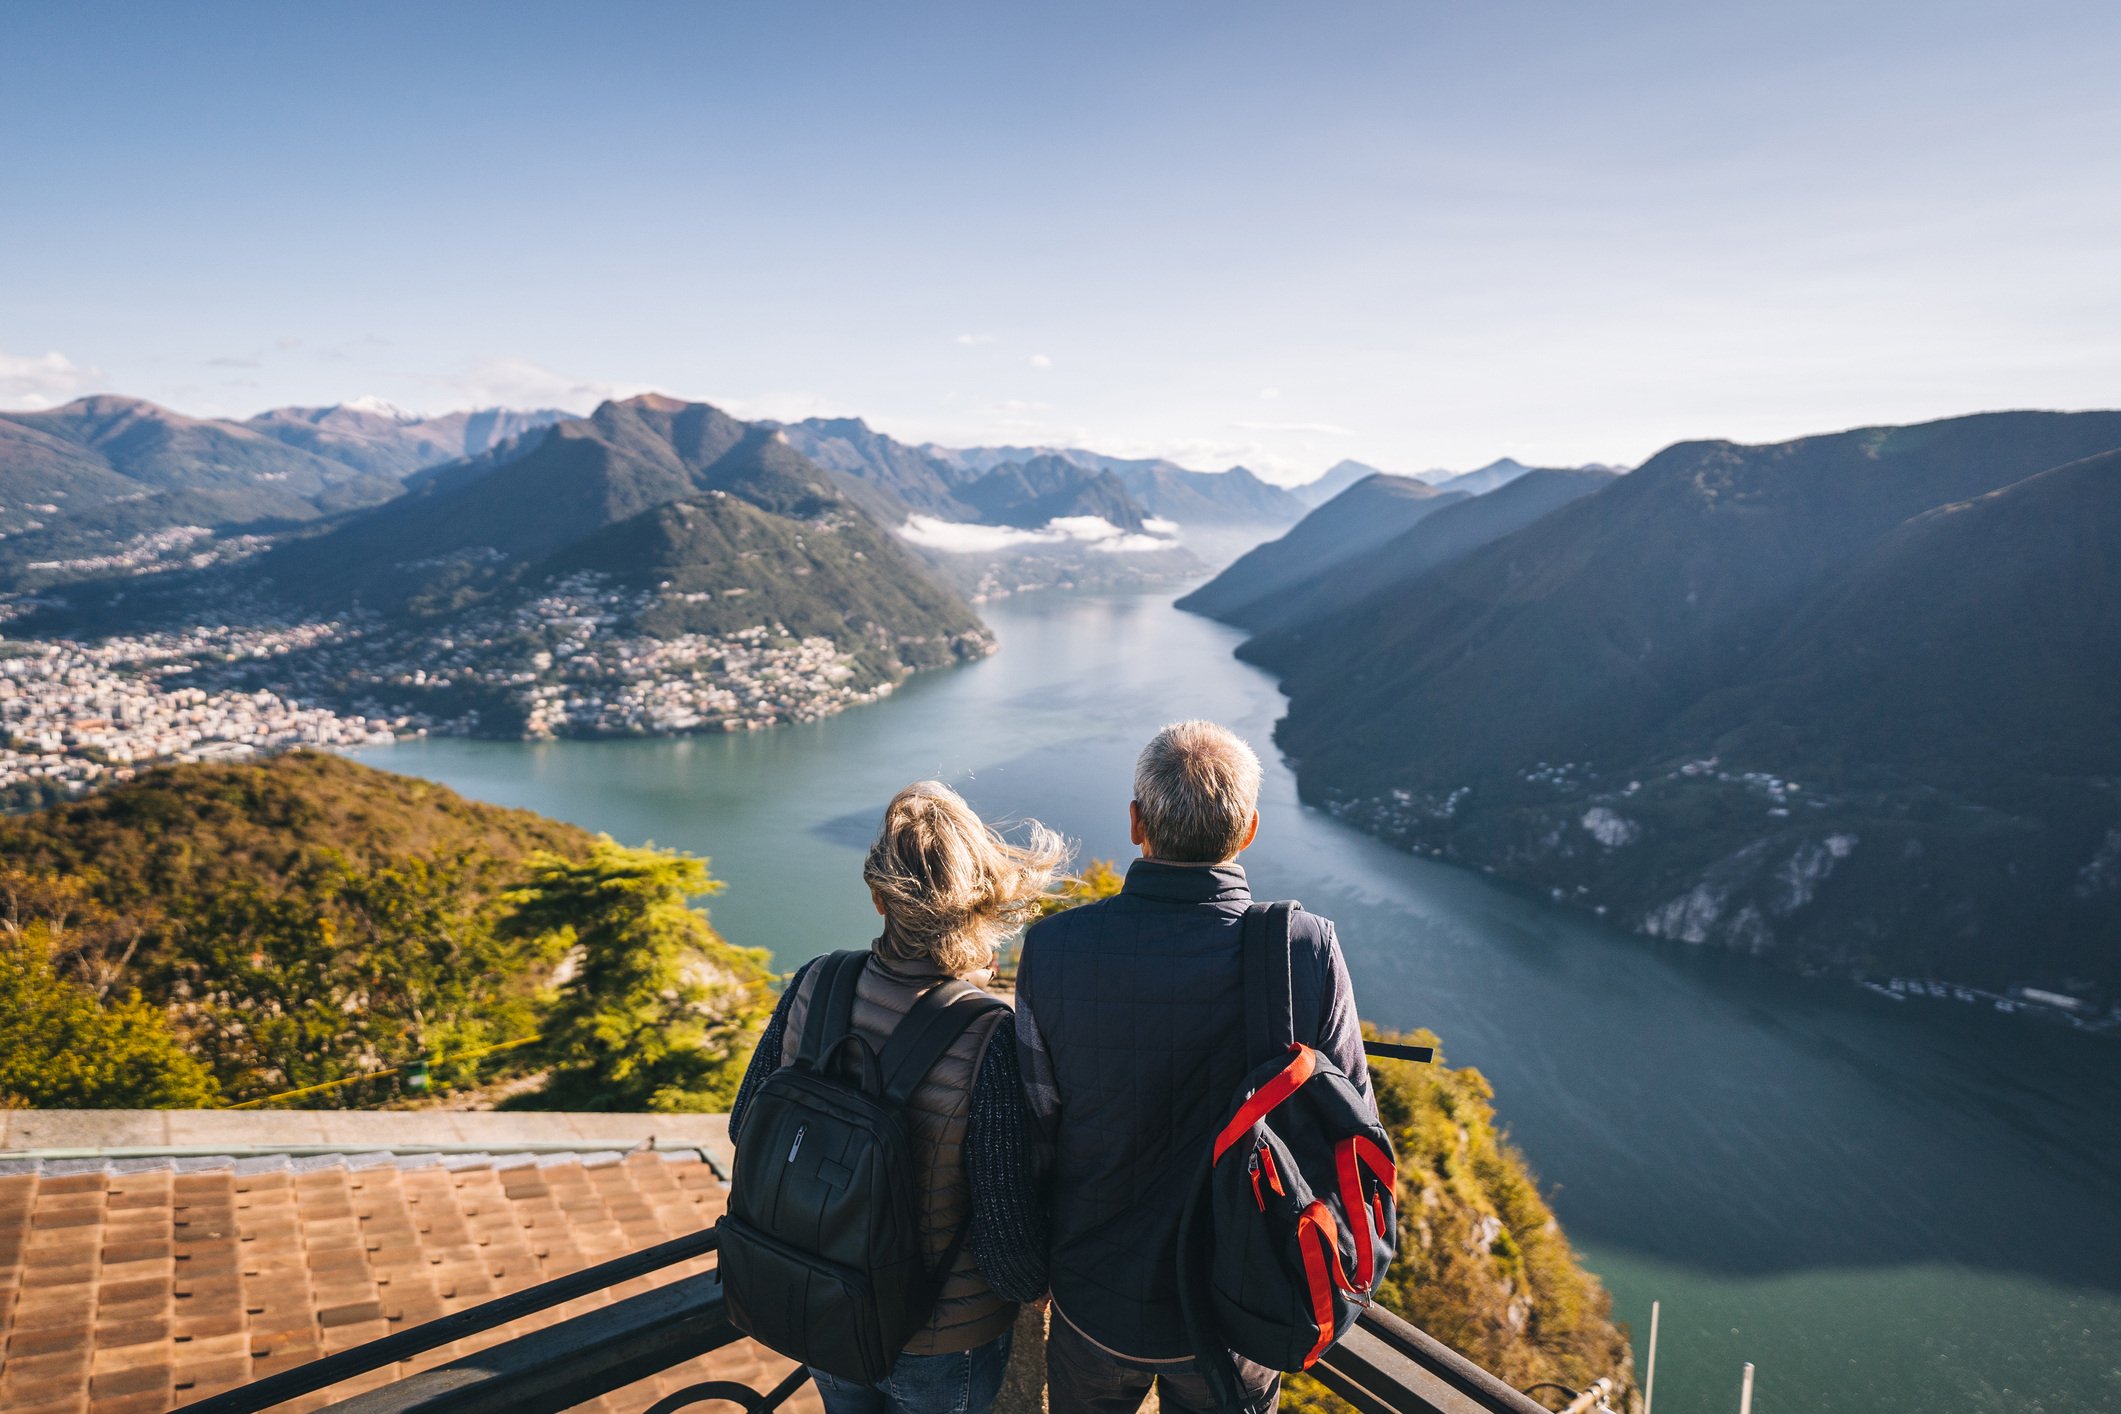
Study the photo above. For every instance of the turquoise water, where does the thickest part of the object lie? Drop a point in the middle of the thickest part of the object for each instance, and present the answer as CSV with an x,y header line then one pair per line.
x,y
1884,1207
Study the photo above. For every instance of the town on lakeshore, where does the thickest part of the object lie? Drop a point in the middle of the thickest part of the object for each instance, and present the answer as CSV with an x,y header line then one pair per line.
x,y
82,714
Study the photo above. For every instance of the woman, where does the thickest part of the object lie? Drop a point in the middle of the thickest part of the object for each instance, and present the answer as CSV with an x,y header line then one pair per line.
x,y
949,889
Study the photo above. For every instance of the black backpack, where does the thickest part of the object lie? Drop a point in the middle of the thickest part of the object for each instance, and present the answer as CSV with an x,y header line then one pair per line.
x,y
1289,1231
821,1247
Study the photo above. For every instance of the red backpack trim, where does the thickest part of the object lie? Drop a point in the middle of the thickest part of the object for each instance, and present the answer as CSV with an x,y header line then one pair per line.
x,y
1264,1099
1322,1271
1353,1155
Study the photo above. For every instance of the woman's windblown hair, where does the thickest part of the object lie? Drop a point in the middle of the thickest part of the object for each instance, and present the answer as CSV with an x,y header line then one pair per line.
x,y
951,886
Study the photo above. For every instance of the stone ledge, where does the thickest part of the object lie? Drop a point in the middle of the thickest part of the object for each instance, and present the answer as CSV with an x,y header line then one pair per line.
x,y
267,1131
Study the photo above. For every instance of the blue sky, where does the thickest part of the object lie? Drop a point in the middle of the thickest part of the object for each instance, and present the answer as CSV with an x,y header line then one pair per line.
x,y
1419,234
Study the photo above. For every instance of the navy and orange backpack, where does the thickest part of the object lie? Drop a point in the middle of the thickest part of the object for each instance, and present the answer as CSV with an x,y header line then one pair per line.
x,y
1289,1231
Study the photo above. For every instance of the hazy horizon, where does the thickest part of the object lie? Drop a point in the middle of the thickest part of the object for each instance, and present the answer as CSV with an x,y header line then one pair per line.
x,y
1227,234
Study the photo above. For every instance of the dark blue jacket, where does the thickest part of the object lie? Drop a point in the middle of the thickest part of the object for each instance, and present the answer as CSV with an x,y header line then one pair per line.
x,y
1130,1021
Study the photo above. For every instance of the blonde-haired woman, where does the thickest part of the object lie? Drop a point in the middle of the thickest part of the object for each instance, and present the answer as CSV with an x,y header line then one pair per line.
x,y
950,889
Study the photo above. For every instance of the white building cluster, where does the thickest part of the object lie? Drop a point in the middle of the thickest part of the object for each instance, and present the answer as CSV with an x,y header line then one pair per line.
x,y
76,715
177,547
571,662
574,663
739,681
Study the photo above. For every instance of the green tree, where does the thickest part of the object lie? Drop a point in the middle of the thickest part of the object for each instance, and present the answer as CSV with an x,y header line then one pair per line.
x,y
342,970
62,1048
651,1008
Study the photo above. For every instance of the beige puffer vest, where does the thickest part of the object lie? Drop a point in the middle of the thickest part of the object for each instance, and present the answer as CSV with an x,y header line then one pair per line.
x,y
970,1313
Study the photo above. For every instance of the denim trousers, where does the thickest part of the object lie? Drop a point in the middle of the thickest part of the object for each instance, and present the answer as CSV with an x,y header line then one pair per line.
x,y
962,1382
1084,1378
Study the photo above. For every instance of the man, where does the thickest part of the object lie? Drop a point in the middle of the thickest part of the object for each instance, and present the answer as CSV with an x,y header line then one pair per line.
x,y
1130,1024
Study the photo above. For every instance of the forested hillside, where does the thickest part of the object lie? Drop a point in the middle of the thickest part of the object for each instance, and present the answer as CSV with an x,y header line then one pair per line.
x,y
1343,588
1359,519
210,934
678,500
1848,700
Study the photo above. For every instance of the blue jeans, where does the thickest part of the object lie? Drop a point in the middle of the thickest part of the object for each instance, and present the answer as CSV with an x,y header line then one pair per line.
x,y
962,1382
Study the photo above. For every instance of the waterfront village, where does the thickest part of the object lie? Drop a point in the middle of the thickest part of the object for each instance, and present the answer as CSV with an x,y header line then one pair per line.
x,y
77,715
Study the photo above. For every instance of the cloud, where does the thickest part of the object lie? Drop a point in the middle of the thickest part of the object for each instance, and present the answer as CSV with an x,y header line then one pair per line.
x,y
1039,361
33,381
1322,429
970,339
1270,394
233,361
959,538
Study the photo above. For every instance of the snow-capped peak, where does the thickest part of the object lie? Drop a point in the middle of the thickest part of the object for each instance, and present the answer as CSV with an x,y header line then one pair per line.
x,y
369,402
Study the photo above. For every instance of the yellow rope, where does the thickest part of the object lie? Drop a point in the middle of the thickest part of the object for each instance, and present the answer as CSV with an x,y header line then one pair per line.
x,y
387,1070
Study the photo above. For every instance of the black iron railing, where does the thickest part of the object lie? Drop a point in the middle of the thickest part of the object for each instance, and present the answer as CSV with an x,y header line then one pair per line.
x,y
404,1345
1385,1366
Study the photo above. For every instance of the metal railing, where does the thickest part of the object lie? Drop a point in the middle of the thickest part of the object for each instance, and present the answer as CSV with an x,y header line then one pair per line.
x,y
1384,1366
444,1330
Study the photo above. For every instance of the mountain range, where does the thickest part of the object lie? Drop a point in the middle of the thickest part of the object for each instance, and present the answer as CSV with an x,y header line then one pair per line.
x,y
1341,475
1362,517
1382,531
937,481
114,485
1033,493
723,523
1334,480
373,436
1852,700
83,485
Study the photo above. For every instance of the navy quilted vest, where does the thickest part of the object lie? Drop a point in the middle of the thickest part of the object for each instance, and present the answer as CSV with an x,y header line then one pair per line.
x,y
1138,1002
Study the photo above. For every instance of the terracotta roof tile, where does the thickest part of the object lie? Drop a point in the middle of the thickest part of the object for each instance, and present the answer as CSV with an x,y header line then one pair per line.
x,y
142,1285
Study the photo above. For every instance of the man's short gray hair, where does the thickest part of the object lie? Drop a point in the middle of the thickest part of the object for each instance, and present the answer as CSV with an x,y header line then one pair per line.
x,y
1196,785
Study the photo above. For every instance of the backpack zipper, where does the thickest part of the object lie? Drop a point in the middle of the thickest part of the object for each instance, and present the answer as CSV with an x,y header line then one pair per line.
x,y
800,1131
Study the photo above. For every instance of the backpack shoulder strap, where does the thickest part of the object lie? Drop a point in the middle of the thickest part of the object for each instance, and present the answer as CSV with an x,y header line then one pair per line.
x,y
830,1019
1270,1006
929,1029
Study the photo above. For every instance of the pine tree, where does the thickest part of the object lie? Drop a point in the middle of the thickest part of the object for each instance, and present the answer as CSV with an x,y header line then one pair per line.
x,y
652,1009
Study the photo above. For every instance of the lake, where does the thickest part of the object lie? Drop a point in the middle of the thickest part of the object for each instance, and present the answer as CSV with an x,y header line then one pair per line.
x,y
1886,1207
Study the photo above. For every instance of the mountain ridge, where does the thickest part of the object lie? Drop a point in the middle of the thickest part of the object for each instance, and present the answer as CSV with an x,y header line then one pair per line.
x,y
1362,517
1616,699
1460,524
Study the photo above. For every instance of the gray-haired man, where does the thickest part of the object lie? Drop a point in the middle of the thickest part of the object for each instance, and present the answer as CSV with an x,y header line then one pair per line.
x,y
1129,1025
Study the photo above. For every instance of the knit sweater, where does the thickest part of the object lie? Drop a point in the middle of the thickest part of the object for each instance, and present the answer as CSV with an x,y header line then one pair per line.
x,y
1008,1235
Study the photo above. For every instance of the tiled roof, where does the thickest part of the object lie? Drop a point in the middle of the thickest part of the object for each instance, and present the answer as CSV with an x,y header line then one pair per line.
x,y
132,1286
